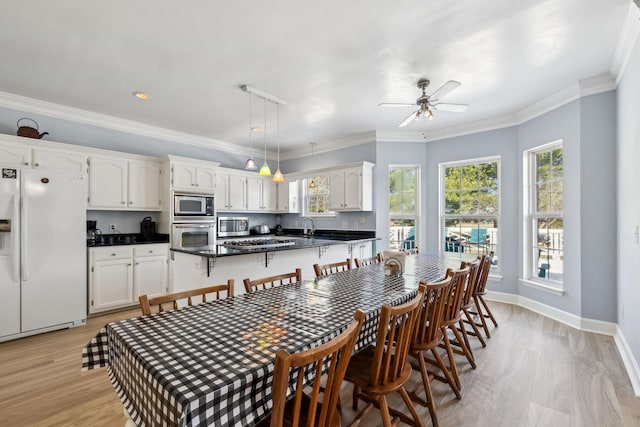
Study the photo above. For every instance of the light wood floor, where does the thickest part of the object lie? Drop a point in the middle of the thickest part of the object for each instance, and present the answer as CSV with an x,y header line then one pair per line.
x,y
533,372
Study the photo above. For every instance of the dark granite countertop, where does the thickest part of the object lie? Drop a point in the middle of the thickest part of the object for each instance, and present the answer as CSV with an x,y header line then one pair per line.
x,y
320,238
128,239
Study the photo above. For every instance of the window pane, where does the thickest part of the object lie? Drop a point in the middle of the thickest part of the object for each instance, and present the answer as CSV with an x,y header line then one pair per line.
x,y
550,249
469,176
471,237
542,198
469,201
542,166
556,197
452,179
317,196
401,233
452,202
488,202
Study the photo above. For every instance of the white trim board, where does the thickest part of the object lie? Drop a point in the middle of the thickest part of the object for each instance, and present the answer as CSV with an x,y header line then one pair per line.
x,y
583,324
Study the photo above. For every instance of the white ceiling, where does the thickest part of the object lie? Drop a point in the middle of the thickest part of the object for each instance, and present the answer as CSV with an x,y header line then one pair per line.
x,y
332,60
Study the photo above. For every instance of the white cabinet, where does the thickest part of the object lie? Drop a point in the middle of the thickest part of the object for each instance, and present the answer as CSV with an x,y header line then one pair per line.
x,y
12,154
288,196
231,191
118,275
15,155
189,177
118,183
351,188
261,194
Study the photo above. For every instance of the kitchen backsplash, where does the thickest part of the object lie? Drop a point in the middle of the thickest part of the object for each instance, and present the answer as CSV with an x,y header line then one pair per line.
x,y
125,221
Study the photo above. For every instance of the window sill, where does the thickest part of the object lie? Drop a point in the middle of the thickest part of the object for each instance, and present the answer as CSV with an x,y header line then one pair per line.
x,y
495,277
543,287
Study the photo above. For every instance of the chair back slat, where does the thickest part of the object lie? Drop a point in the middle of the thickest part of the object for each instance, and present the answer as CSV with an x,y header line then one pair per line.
x,y
331,358
472,282
252,286
428,322
336,267
395,331
377,258
453,303
147,303
485,267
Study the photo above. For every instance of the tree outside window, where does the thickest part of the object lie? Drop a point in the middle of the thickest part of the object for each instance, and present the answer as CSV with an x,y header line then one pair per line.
x,y
403,202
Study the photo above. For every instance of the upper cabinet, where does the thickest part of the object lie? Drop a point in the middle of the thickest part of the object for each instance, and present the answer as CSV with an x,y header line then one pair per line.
x,y
288,196
120,184
21,155
261,192
231,190
351,188
191,175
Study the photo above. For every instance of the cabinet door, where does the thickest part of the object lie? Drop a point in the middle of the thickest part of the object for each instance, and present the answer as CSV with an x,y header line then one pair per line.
x,y
282,197
222,192
206,179
294,196
59,160
107,183
336,190
144,185
254,193
237,196
14,155
269,197
353,188
183,177
110,285
150,276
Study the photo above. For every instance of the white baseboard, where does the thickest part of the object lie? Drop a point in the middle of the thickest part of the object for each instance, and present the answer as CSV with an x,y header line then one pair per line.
x,y
588,325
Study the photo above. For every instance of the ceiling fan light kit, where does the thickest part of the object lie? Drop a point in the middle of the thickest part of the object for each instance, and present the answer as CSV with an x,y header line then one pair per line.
x,y
426,102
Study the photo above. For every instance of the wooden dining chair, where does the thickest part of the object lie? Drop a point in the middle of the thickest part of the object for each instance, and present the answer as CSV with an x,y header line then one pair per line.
x,y
368,261
482,310
462,346
449,321
252,286
467,318
380,370
328,362
427,337
327,269
215,292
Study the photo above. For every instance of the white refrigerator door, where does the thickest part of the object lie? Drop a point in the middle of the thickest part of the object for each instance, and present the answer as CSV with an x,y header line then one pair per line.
x,y
53,235
9,251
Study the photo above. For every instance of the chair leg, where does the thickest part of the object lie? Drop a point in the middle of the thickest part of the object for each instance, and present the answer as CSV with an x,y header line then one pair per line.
x,y
384,411
462,339
354,399
486,307
430,402
412,409
452,362
476,300
476,331
465,336
447,373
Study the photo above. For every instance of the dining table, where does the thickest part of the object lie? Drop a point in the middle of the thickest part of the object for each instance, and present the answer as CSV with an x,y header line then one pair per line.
x,y
212,364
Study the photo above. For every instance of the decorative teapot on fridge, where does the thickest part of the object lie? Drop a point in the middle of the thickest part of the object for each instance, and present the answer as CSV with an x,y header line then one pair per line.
x,y
28,131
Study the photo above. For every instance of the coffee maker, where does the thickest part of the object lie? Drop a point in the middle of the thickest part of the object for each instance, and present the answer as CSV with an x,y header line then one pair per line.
x,y
91,232
147,229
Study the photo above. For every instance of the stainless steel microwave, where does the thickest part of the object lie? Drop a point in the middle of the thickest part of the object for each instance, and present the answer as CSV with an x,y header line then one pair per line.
x,y
233,226
193,207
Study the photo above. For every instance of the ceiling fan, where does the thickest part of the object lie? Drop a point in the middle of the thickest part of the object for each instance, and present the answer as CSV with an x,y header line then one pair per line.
x,y
426,102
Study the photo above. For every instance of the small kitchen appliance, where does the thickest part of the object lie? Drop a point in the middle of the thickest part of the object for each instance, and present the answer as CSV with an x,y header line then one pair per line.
x,y
91,233
147,229
229,226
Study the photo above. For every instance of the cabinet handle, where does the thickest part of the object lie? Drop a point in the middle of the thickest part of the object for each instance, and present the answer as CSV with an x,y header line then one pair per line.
x,y
137,263
36,164
26,163
130,202
122,202
129,265
197,185
150,252
113,254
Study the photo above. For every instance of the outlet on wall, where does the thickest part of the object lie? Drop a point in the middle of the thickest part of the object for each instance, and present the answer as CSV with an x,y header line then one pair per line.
x,y
112,228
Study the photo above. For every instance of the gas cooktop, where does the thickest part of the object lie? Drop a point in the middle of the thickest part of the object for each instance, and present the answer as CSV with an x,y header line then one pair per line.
x,y
257,243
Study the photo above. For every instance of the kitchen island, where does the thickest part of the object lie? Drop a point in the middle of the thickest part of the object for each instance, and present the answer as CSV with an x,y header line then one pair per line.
x,y
198,268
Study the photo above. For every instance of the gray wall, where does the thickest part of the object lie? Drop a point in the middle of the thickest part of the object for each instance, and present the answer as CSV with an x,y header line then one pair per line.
x,y
503,143
628,203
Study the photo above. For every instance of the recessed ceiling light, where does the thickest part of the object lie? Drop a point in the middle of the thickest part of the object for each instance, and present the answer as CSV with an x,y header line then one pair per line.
x,y
141,95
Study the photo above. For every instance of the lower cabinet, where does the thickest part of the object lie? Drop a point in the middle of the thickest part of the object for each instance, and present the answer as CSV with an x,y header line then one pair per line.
x,y
118,275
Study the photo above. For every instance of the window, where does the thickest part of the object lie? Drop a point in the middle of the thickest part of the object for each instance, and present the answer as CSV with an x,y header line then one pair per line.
x,y
544,205
403,203
470,208
316,196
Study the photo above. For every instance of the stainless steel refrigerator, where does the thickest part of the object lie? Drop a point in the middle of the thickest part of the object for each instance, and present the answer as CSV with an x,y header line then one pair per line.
x,y
43,284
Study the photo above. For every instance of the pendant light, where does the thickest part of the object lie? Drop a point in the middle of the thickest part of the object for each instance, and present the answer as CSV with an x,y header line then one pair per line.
x,y
250,164
312,184
265,170
278,177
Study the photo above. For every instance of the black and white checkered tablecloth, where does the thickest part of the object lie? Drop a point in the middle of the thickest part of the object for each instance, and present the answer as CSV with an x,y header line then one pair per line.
x,y
212,364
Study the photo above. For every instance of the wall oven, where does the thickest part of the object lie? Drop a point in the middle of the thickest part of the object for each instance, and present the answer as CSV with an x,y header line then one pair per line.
x,y
193,207
233,226
197,236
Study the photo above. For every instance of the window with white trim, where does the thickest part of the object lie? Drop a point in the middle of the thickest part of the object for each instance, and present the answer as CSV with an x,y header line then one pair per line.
x,y
403,206
316,196
470,208
544,204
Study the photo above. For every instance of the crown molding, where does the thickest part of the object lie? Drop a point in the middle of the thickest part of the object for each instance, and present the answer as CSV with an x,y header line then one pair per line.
x,y
76,115
494,123
626,42
332,145
400,136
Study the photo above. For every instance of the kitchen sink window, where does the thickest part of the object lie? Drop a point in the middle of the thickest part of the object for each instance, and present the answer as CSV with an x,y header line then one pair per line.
x,y
403,206
544,203
470,209
316,196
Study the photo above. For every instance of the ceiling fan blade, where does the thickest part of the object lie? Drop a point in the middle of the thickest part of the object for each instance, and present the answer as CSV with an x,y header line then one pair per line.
x,y
395,104
458,108
409,119
444,89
